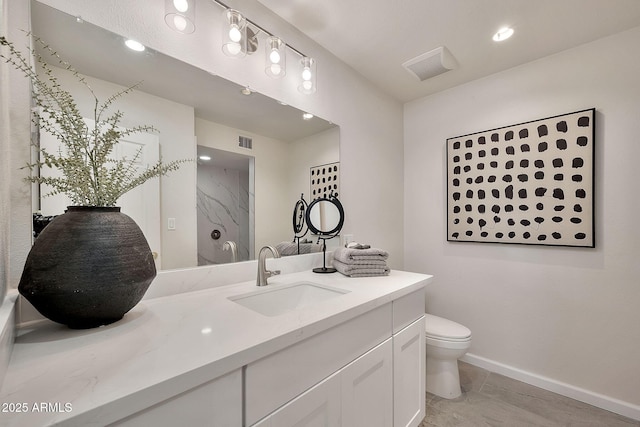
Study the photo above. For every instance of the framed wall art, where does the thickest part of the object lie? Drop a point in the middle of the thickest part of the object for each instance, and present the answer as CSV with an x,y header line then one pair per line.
x,y
529,183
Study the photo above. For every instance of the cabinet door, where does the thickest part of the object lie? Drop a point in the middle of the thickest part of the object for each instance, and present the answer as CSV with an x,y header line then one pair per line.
x,y
367,382
317,407
409,376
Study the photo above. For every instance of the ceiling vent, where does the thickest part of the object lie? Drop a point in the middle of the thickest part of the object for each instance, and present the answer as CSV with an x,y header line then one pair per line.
x,y
245,142
431,64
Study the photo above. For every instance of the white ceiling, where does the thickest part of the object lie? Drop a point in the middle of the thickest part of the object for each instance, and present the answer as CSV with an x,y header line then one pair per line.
x,y
376,37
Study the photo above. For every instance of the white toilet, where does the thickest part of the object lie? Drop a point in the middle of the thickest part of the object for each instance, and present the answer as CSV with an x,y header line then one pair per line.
x,y
447,341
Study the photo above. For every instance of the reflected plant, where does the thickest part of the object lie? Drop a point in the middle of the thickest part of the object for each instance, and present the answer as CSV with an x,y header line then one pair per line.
x,y
91,176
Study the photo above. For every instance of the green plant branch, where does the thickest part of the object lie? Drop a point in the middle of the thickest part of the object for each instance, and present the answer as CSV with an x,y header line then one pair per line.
x,y
90,174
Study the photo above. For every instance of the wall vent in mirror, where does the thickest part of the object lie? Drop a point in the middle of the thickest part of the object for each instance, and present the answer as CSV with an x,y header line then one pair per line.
x,y
245,142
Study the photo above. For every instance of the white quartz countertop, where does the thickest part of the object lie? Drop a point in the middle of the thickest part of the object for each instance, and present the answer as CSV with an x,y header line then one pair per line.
x,y
168,345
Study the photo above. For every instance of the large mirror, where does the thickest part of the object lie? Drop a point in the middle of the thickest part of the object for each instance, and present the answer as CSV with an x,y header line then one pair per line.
x,y
260,152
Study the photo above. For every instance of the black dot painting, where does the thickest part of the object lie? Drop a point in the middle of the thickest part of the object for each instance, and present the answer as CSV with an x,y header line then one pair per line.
x,y
325,180
535,185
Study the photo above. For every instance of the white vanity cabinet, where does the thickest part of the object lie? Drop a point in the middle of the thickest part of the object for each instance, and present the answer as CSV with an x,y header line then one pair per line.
x,y
216,403
201,359
368,371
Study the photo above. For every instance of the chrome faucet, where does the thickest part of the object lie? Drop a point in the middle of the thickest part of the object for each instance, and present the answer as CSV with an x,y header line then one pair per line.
x,y
231,245
263,273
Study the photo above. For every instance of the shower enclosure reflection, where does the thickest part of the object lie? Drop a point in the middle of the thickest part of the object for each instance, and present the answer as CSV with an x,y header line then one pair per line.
x,y
225,204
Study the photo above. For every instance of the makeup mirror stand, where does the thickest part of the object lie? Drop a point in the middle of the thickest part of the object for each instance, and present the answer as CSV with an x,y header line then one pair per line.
x,y
325,217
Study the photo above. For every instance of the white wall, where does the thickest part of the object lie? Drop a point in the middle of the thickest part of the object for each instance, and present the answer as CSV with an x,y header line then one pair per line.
x,y
15,193
568,314
316,150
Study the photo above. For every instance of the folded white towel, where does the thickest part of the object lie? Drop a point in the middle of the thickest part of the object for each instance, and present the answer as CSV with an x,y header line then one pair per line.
x,y
350,255
352,270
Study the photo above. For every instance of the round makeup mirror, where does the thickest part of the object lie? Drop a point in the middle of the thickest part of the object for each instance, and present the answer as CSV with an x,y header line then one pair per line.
x,y
299,215
325,217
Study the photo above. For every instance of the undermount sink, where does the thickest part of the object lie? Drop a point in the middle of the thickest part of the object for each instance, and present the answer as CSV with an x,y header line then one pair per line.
x,y
281,299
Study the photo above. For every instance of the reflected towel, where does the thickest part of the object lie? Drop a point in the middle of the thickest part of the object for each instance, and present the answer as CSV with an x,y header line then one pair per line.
x,y
289,248
361,270
360,256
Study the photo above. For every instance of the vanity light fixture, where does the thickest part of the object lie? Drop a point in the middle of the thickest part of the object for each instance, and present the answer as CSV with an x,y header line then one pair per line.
x,y
503,34
275,57
240,37
234,34
246,91
204,158
307,116
134,45
308,75
180,15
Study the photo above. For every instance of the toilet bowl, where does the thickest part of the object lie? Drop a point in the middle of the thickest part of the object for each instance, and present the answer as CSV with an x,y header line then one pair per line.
x,y
447,341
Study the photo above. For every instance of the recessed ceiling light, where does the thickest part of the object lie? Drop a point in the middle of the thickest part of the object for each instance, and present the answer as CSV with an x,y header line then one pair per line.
x,y
205,158
503,34
134,45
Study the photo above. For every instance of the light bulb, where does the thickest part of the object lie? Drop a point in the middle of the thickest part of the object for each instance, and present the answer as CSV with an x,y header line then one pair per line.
x,y
134,45
179,22
234,34
274,56
503,34
276,69
181,5
233,48
307,84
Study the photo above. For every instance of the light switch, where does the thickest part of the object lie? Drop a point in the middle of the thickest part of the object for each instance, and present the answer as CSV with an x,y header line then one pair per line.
x,y
171,224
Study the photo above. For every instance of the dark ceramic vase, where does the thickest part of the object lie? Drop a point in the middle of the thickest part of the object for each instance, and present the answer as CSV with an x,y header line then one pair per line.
x,y
88,267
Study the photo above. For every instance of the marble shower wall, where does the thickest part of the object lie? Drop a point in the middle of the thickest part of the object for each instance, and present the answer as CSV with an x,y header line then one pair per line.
x,y
223,205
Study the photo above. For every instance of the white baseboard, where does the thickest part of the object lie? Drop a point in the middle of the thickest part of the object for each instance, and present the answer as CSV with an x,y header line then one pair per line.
x,y
595,399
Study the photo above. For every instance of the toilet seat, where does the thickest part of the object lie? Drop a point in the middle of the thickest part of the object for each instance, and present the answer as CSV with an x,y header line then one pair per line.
x,y
437,328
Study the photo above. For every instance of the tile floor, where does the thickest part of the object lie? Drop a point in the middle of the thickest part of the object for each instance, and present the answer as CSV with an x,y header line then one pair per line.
x,y
490,399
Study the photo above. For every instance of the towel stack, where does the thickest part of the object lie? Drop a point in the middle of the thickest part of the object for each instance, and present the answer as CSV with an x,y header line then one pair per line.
x,y
355,262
